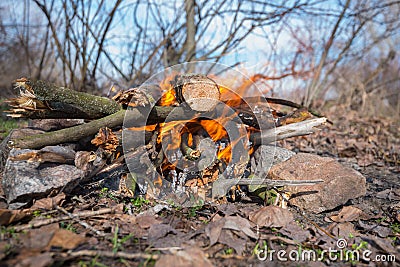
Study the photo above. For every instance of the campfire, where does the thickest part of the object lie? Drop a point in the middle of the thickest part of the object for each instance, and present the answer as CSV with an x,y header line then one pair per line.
x,y
204,149
189,137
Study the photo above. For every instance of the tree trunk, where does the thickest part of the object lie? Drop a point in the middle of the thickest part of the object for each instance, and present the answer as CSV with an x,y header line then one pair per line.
x,y
190,42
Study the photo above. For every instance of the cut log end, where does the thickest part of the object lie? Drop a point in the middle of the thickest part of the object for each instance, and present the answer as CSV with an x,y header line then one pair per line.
x,y
198,91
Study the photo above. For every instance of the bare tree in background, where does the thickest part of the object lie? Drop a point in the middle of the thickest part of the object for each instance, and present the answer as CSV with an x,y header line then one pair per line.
x,y
150,35
346,40
80,42
87,45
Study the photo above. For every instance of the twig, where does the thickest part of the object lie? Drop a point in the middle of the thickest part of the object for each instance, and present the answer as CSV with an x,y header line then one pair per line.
x,y
188,152
76,219
292,104
284,102
302,214
81,214
286,131
110,254
221,186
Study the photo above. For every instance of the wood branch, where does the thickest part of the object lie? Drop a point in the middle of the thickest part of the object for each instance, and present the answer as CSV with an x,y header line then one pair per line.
x,y
81,214
189,152
109,254
286,131
296,116
134,117
67,113
284,102
68,134
197,91
40,99
221,186
190,89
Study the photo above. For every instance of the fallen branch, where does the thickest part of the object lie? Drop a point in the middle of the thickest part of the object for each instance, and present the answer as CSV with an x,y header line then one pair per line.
x,y
68,134
77,219
83,214
286,131
134,117
221,186
40,99
110,254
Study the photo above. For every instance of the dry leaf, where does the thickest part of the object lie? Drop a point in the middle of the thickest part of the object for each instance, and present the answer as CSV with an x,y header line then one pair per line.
x,y
35,260
295,232
390,194
231,240
38,239
239,224
158,231
146,221
48,203
347,214
12,216
213,230
65,239
344,230
106,139
191,257
271,216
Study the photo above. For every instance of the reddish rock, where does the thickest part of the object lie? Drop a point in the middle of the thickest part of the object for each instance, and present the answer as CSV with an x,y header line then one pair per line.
x,y
340,183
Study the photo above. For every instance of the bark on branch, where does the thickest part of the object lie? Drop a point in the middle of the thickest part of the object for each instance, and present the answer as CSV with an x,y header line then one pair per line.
x,y
134,116
40,99
286,131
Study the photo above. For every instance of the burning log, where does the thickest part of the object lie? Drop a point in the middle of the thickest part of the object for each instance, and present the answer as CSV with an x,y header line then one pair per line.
x,y
197,91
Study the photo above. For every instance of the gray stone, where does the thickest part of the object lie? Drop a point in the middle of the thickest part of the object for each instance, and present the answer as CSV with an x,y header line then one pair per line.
x,y
66,151
266,156
5,144
340,184
26,179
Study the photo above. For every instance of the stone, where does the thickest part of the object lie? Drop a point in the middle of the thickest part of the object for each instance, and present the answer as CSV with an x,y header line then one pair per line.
x,y
340,184
26,178
14,134
267,155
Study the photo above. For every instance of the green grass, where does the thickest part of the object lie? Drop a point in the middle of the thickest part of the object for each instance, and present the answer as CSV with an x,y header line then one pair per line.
x,y
7,124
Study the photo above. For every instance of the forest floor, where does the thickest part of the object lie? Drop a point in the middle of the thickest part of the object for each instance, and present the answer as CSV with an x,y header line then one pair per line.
x,y
98,228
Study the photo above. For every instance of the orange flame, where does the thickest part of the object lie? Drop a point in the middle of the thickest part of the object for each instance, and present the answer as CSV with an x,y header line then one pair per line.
x,y
149,128
225,153
166,127
214,129
168,98
231,98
